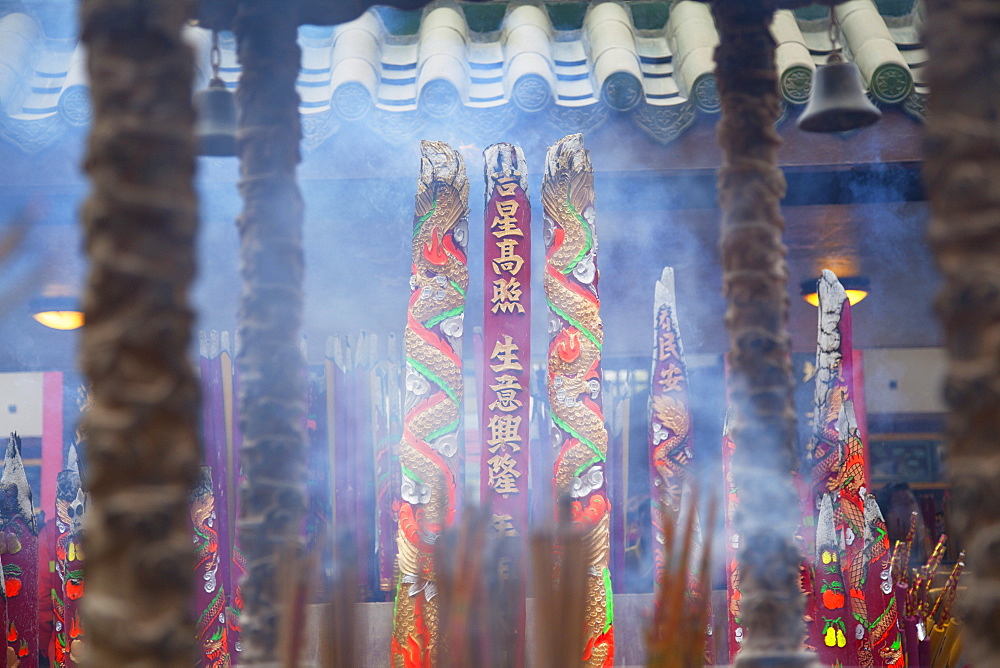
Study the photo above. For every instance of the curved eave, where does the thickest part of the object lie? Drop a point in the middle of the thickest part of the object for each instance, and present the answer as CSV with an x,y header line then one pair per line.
x,y
361,74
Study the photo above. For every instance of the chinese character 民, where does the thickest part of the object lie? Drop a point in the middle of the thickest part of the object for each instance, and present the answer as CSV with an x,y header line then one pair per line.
x,y
667,341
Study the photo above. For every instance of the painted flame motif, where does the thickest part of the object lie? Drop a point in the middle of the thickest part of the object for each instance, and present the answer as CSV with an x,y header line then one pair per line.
x,y
568,345
434,251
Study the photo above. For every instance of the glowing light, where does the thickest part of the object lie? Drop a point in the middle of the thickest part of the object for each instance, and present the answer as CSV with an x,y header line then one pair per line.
x,y
57,312
856,288
65,320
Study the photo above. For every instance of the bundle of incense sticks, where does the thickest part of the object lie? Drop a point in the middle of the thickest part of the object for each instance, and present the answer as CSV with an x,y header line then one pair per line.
x,y
931,637
475,611
298,577
676,637
559,574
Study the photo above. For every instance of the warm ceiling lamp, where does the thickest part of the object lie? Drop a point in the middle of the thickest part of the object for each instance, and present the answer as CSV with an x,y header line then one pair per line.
x,y
57,312
856,288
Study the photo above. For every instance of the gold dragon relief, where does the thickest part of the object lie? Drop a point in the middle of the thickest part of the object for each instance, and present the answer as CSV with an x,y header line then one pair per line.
x,y
434,394
574,379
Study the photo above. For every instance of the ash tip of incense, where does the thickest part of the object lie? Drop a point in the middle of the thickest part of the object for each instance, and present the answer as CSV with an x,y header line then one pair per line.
x,y
204,485
73,459
213,344
825,533
14,476
225,343
572,146
831,292
330,344
442,161
663,293
203,343
504,160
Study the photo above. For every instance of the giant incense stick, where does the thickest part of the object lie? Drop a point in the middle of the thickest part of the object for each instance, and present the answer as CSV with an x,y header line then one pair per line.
x,y
433,406
670,436
880,595
962,160
754,276
836,646
506,363
574,380
210,596
734,627
70,504
140,224
837,457
210,510
19,552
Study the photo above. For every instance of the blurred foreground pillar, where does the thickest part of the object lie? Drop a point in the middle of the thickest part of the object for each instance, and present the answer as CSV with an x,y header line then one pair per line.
x,y
754,282
269,362
962,174
139,225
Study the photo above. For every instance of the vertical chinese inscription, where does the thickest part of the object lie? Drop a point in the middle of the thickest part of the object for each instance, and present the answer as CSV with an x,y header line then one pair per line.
x,y
506,324
504,402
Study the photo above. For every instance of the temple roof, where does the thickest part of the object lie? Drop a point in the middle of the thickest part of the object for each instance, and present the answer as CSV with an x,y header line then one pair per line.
x,y
484,66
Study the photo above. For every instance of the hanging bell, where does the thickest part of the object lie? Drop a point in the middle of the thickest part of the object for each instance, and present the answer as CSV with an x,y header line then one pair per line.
x,y
216,125
837,102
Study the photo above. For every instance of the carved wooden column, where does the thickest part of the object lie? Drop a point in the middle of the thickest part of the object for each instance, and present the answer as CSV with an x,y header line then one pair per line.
x,y
962,174
754,281
270,363
142,429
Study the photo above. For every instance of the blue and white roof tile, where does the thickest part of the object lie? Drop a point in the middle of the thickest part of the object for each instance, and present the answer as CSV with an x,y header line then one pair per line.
x,y
361,71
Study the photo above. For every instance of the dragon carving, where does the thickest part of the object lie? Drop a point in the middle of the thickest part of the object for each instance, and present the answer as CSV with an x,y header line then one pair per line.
x,y
669,427
574,374
429,451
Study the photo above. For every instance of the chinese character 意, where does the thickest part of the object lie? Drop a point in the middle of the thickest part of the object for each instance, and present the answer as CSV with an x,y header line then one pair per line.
x,y
505,354
506,388
507,296
503,433
505,225
508,260
503,474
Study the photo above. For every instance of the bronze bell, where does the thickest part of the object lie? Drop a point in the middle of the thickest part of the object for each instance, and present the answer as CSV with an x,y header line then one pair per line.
x,y
216,125
837,102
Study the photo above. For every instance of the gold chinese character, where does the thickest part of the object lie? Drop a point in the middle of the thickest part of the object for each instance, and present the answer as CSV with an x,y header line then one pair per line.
x,y
505,224
667,345
505,353
506,186
504,525
506,296
506,388
503,433
671,378
508,260
503,474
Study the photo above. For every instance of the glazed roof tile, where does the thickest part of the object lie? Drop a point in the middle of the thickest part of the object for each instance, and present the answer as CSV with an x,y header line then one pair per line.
x,y
536,60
